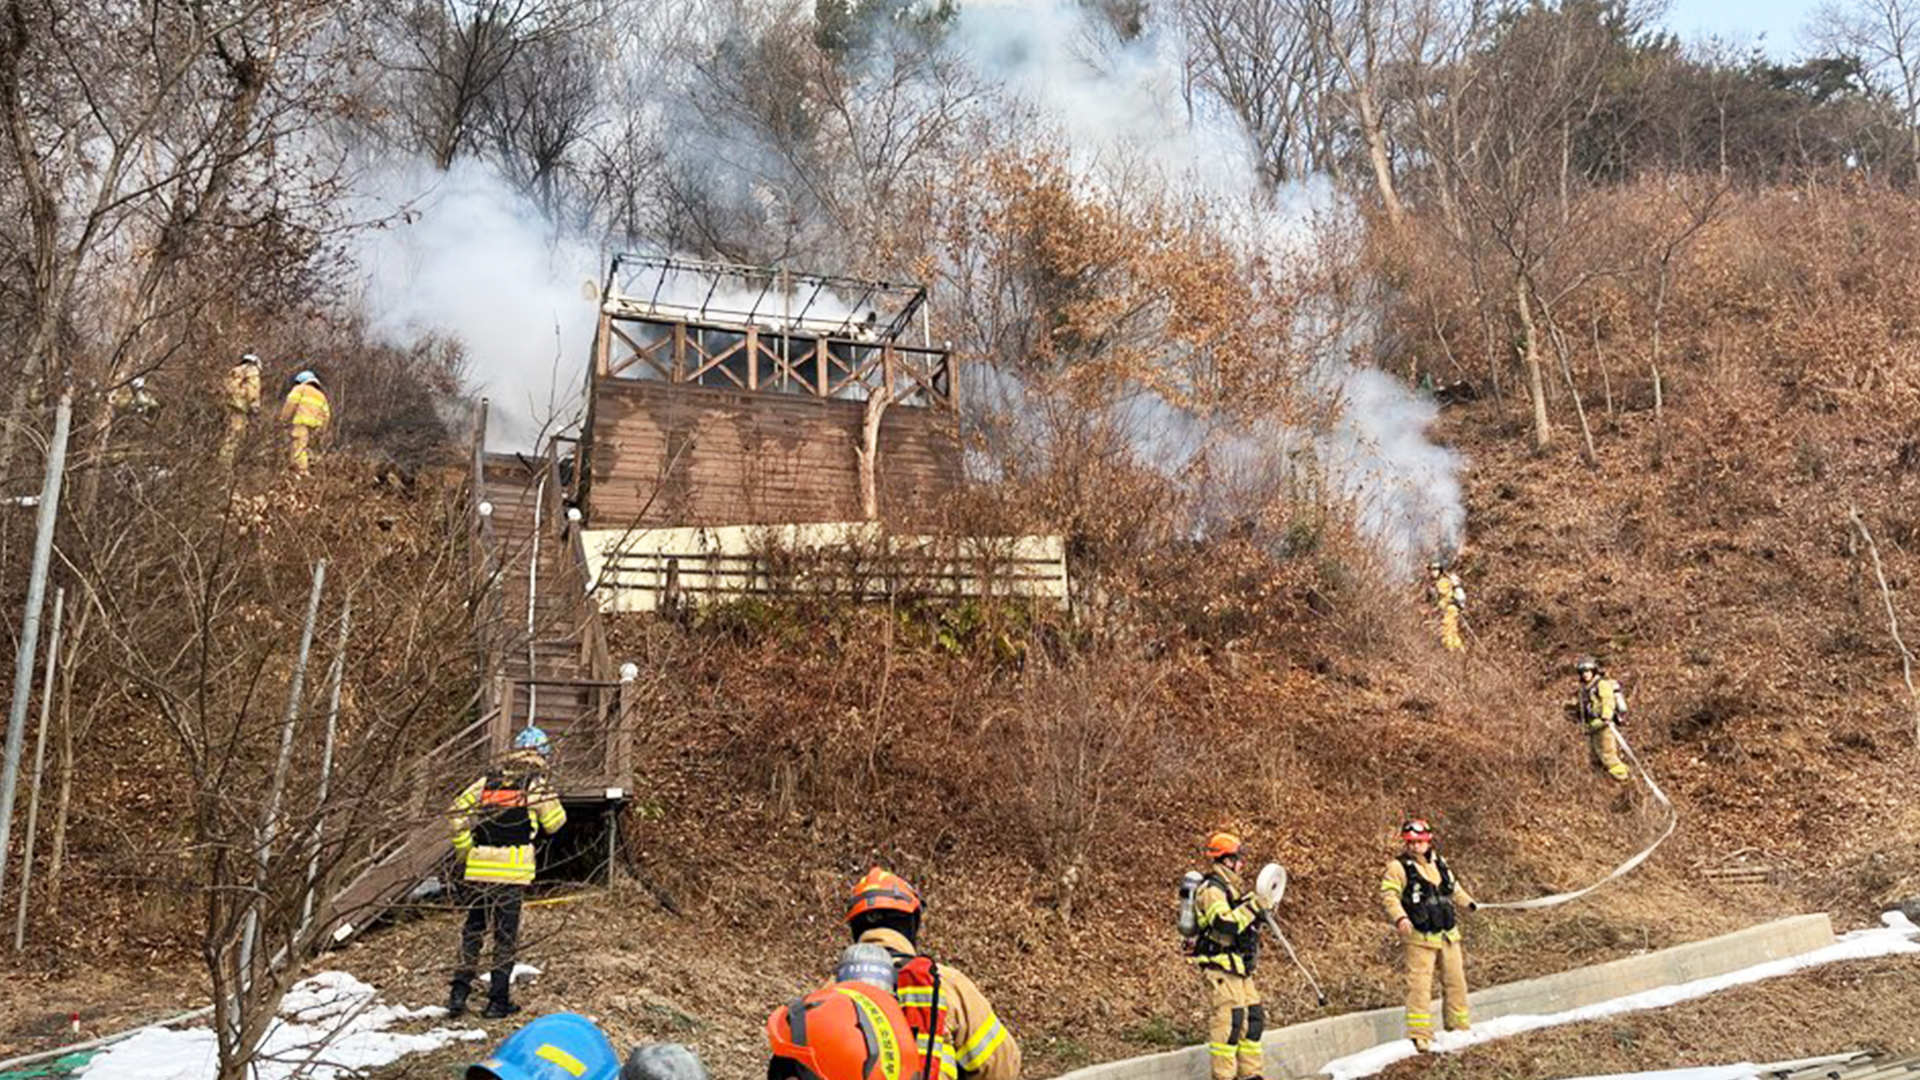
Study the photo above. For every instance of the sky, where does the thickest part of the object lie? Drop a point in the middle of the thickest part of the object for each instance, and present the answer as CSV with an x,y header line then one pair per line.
x,y
1782,21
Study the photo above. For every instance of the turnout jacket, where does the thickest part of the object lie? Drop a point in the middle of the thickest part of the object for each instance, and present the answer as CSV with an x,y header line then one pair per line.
x,y
497,817
1432,870
977,1046
1229,916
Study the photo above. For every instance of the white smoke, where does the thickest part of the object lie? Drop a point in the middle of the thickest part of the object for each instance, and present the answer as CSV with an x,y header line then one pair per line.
x,y
462,254
1128,115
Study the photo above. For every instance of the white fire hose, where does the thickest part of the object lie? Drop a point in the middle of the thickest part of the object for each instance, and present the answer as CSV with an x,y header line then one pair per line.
x,y
1673,822
1271,885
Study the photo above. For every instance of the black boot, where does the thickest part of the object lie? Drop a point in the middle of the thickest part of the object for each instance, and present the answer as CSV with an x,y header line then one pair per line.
x,y
457,997
499,997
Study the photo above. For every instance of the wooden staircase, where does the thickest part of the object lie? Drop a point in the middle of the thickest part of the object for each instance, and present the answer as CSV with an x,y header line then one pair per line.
x,y
542,656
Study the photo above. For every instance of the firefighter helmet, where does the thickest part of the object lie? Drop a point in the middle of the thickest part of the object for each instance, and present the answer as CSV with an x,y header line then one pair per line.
x,y
1222,844
847,1031
882,891
1586,664
1416,829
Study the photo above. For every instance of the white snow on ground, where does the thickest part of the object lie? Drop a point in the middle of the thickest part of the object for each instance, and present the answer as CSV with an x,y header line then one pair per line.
x,y
1895,936
330,1026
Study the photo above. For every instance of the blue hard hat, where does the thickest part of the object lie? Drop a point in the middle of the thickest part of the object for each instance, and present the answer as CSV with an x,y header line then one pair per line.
x,y
532,738
563,1046
305,377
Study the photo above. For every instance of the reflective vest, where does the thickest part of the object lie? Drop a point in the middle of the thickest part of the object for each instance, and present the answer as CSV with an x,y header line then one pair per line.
x,y
1229,928
307,406
917,985
495,821
1429,906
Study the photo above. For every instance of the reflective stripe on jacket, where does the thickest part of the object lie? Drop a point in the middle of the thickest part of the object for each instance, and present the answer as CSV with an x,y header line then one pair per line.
x,y
1227,914
978,1044
307,406
511,864
1393,883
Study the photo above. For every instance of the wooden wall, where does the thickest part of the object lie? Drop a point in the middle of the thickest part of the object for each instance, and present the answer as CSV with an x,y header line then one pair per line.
x,y
728,457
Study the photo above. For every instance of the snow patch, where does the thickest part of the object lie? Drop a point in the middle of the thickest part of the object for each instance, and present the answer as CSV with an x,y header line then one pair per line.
x,y
331,1026
1894,937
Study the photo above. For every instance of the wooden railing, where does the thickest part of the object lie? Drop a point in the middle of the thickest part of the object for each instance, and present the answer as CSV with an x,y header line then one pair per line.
x,y
750,358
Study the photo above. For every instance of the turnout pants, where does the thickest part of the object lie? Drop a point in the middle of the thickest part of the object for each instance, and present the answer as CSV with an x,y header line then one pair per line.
x,y
493,904
1603,745
1450,628
298,457
1421,958
1235,1022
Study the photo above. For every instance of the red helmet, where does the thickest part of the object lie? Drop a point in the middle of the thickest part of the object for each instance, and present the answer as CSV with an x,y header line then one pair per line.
x,y
1416,829
847,1031
882,891
1222,844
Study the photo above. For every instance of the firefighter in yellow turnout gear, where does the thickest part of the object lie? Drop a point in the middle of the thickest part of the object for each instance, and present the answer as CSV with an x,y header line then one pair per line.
x,y
242,402
1600,705
495,821
950,1017
306,412
1228,913
1423,898
1449,598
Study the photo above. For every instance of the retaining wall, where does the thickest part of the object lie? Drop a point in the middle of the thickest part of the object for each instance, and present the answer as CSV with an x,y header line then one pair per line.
x,y
1300,1050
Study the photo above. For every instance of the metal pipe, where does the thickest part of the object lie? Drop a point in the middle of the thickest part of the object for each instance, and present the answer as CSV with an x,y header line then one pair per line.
x,y
39,768
270,828
30,620
335,675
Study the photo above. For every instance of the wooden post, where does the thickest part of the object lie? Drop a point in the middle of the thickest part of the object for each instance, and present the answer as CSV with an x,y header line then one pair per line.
x,y
753,358
679,352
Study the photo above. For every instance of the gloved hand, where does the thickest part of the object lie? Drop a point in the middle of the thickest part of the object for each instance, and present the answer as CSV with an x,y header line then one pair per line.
x,y
1404,926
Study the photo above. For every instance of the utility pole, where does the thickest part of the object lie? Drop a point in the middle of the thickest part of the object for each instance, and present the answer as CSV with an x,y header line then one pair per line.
x,y
30,620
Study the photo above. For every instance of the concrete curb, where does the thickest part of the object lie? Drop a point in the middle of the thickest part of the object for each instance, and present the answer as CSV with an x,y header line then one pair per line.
x,y
1302,1049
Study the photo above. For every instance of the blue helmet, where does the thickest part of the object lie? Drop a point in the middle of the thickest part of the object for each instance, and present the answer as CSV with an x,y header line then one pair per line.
x,y
532,738
563,1046
305,376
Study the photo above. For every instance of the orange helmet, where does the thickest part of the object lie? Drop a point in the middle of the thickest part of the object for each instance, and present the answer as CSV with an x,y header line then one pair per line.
x,y
847,1031
881,891
1222,844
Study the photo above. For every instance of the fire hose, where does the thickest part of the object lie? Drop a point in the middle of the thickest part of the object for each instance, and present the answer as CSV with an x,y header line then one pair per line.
x,y
1272,885
1673,822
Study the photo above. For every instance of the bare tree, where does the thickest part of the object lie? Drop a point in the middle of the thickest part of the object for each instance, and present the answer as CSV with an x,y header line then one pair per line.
x,y
1885,35
1265,61
129,129
454,55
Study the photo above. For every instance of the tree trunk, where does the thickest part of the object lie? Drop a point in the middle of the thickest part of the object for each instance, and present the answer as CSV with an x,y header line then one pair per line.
x,y
877,402
1379,154
1536,386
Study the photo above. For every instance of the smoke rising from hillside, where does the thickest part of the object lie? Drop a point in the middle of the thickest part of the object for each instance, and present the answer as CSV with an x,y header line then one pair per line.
x,y
1127,115
464,255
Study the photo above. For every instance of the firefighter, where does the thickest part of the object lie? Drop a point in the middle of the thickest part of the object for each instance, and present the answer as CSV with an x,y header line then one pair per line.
x,y
132,398
965,1035
495,821
1422,898
844,1031
306,411
1600,705
1446,594
243,402
1228,946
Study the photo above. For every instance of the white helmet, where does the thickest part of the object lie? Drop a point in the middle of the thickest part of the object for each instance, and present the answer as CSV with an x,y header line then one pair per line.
x,y
139,382
249,358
